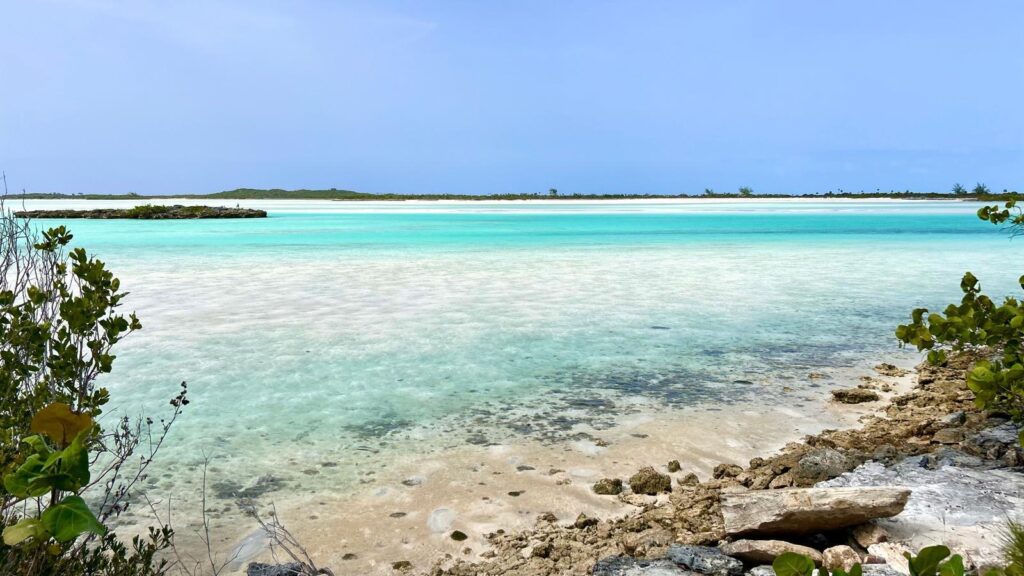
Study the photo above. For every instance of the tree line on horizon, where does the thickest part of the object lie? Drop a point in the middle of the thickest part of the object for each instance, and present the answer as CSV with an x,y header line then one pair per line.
x,y
979,192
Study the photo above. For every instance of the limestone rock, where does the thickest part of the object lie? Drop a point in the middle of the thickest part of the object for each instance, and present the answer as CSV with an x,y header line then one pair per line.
x,y
761,571
765,551
879,570
954,419
706,560
840,558
690,479
608,486
674,466
807,510
822,464
261,569
626,566
582,521
886,369
960,507
949,436
726,471
854,395
649,481
867,534
884,453
893,554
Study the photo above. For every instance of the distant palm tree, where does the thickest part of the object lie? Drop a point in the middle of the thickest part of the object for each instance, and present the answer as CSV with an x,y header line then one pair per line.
x,y
746,191
552,191
958,189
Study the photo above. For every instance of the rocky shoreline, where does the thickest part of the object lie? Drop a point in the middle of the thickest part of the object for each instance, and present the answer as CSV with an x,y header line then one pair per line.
x,y
923,467
932,429
148,212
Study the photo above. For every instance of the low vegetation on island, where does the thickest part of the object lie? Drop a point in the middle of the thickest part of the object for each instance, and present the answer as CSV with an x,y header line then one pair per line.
x,y
148,212
958,192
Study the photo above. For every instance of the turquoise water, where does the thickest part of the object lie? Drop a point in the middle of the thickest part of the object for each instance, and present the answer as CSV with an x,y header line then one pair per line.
x,y
342,331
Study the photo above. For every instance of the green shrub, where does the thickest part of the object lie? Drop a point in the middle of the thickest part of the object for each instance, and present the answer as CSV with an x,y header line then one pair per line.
x,y
64,476
978,323
147,211
931,561
1013,549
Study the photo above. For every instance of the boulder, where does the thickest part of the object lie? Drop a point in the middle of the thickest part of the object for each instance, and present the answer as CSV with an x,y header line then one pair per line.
x,y
954,419
892,554
854,395
885,453
674,466
608,487
690,479
879,570
840,558
822,464
649,481
765,551
761,571
949,436
890,370
867,534
627,566
261,569
705,559
807,510
726,471
582,521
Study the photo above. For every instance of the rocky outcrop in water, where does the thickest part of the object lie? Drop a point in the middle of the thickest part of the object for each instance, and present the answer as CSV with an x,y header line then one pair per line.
x,y
650,482
145,212
855,395
608,486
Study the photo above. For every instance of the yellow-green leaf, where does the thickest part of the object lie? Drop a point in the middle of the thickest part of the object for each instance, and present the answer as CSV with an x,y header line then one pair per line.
x,y
26,529
60,423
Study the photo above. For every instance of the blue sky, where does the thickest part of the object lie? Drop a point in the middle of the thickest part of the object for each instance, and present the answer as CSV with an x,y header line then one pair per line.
x,y
492,97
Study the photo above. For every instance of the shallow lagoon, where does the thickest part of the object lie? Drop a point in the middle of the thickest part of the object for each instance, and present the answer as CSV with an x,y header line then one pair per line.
x,y
338,337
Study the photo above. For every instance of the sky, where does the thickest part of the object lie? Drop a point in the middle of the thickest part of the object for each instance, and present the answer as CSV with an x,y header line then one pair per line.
x,y
479,97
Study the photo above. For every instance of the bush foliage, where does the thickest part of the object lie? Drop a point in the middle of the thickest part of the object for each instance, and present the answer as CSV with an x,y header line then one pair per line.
x,y
979,323
64,476
931,561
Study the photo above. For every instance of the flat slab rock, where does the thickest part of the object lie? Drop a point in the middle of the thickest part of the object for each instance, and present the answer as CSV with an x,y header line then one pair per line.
x,y
808,510
627,566
705,560
766,551
261,569
953,504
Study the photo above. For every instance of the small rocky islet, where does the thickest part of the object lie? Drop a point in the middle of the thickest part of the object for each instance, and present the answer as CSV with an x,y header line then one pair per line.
x,y
148,212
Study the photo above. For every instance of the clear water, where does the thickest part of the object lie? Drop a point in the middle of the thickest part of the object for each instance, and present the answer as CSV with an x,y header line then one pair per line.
x,y
342,331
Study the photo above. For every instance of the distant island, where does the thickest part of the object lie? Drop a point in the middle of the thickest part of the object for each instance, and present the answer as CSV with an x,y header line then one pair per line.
x,y
979,193
176,212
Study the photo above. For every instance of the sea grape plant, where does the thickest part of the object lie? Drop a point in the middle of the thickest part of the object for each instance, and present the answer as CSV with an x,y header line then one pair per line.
x,y
979,323
930,561
59,321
